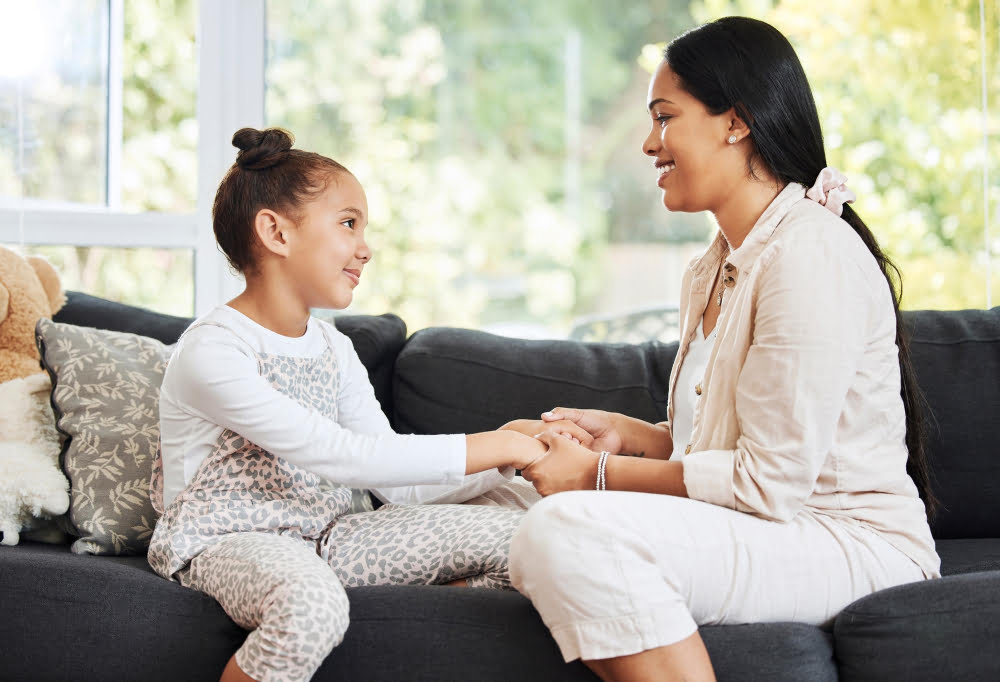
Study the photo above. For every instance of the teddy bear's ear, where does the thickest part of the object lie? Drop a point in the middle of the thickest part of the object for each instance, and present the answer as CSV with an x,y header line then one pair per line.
x,y
4,302
49,278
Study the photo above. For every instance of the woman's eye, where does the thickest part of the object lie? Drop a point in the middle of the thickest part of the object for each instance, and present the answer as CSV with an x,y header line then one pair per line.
x,y
349,223
662,119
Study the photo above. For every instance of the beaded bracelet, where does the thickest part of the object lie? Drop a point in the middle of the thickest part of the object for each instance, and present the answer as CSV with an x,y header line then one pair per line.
x,y
601,464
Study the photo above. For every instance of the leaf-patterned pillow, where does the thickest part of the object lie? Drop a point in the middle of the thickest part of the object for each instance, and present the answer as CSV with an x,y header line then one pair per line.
x,y
105,395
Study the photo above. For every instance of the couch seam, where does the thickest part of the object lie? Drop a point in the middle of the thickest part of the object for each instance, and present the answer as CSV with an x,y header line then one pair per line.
x,y
955,342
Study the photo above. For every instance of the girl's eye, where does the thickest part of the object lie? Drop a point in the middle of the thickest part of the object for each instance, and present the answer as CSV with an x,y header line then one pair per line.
x,y
662,119
349,223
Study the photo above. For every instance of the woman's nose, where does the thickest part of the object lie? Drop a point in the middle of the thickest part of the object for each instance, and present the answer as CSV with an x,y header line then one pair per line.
x,y
651,147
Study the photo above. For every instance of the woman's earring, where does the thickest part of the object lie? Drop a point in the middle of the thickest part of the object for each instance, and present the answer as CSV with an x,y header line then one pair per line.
x,y
732,139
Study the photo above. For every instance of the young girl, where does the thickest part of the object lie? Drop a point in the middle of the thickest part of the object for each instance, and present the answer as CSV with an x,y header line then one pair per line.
x,y
788,480
262,406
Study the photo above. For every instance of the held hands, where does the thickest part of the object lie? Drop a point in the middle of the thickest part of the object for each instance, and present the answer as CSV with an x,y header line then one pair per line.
x,y
565,427
598,424
564,466
570,440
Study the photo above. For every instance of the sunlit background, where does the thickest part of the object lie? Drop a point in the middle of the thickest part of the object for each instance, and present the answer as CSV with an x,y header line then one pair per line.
x,y
499,144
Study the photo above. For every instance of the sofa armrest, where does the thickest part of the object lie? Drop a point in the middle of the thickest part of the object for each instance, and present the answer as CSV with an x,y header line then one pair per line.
x,y
939,629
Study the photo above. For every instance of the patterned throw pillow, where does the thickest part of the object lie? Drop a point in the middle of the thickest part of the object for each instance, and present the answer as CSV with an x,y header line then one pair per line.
x,y
105,395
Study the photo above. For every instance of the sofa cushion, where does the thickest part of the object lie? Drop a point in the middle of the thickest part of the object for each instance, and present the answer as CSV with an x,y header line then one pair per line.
x,y
376,338
105,396
969,555
80,617
85,310
111,616
459,380
924,631
956,356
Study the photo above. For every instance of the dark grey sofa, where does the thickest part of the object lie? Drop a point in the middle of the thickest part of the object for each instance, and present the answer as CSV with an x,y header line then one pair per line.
x,y
76,617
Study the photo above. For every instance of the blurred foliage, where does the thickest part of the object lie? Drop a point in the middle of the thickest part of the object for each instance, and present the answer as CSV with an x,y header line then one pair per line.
x,y
159,279
66,153
455,117
159,106
489,138
898,90
58,90
499,143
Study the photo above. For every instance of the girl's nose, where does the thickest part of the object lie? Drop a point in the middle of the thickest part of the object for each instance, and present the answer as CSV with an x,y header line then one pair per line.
x,y
364,252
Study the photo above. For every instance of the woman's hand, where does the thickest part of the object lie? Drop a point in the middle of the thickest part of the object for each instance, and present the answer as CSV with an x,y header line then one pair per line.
x,y
564,427
565,466
598,424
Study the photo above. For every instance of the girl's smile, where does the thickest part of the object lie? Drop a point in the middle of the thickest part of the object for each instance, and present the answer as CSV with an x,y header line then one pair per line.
x,y
353,275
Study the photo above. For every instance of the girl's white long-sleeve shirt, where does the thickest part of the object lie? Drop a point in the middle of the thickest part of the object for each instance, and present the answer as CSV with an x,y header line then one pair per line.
x,y
212,383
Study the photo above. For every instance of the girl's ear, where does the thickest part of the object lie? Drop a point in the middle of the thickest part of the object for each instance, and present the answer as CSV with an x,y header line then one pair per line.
x,y
272,231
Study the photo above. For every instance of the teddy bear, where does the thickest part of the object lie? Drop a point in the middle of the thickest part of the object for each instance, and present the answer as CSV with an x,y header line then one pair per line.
x,y
33,489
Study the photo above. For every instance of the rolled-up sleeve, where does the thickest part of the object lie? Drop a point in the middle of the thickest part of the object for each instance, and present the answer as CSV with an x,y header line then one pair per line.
x,y
810,318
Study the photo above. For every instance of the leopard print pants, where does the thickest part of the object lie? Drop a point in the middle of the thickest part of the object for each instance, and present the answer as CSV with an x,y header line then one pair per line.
x,y
282,589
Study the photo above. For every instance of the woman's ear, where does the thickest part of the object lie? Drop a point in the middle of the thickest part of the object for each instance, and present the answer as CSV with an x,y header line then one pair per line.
x,y
272,231
737,127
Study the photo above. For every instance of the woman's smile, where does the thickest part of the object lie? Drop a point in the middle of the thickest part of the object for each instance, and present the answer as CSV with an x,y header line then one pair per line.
x,y
663,169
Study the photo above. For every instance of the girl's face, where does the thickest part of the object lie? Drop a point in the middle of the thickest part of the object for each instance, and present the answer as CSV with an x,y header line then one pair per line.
x,y
327,249
696,165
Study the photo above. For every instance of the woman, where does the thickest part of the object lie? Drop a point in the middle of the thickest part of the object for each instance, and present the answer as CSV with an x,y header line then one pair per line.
x,y
790,478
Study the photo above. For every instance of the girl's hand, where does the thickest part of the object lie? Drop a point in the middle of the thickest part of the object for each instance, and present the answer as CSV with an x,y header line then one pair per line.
x,y
529,451
565,466
564,427
597,423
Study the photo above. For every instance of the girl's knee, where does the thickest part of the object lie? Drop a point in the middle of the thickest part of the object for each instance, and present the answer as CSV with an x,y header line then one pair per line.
x,y
304,618
311,609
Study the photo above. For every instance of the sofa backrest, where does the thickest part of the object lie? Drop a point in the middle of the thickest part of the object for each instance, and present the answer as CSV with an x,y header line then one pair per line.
x,y
457,380
956,356
376,338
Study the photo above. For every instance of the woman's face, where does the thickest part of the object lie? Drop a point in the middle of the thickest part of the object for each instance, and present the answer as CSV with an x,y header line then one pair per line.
x,y
695,163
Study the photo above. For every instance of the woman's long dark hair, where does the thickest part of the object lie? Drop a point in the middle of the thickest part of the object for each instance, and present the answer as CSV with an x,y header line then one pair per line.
x,y
749,66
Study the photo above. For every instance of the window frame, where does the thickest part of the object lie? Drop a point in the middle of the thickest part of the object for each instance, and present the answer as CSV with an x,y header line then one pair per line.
x,y
230,96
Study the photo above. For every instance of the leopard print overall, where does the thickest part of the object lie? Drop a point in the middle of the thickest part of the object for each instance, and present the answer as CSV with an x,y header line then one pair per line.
x,y
261,535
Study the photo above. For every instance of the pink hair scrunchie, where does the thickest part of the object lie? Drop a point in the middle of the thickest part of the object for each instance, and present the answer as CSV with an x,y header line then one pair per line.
x,y
830,190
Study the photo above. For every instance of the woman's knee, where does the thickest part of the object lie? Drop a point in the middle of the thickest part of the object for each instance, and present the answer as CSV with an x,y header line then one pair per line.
x,y
537,544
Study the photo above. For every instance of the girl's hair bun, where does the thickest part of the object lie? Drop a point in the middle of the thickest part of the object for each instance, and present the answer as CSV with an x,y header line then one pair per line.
x,y
260,149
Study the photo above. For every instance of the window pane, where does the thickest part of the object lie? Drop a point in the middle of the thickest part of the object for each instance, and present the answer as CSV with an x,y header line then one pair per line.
x,y
159,117
908,133
158,279
53,94
499,146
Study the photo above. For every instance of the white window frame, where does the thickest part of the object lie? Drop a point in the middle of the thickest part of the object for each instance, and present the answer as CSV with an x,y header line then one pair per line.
x,y
230,96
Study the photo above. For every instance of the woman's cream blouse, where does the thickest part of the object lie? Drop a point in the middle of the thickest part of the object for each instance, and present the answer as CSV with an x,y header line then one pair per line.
x,y
800,408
